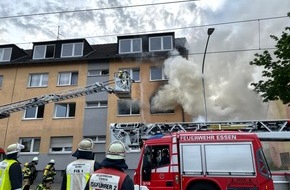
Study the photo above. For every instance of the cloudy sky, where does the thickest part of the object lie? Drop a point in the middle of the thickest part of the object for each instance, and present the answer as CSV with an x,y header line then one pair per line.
x,y
242,27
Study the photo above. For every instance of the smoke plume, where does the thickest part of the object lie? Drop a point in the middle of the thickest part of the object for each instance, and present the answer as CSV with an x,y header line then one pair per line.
x,y
228,97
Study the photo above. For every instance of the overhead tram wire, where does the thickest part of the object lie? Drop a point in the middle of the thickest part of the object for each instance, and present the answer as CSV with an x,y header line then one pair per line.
x,y
97,9
190,27
180,28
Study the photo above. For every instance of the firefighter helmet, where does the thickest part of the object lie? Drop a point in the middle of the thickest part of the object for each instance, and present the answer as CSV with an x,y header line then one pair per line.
x,y
35,159
52,161
14,148
116,150
86,144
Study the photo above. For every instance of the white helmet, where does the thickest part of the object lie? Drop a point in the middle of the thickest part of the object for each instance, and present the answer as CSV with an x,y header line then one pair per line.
x,y
52,161
35,159
14,148
86,145
116,150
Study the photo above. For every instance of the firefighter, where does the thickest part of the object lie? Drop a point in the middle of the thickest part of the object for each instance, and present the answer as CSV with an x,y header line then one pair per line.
x,y
10,169
29,173
165,157
112,172
49,171
46,184
78,172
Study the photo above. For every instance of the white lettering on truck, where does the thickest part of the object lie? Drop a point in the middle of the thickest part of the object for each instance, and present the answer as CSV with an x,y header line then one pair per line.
x,y
208,137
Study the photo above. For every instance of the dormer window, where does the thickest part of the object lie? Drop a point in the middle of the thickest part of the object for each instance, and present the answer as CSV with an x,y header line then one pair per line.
x,y
5,54
160,43
130,45
43,51
72,50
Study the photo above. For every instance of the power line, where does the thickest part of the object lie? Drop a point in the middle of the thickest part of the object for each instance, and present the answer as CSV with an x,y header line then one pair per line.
x,y
181,28
191,27
234,51
96,9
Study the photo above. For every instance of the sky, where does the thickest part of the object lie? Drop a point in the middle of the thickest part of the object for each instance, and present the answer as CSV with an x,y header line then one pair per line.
x,y
242,28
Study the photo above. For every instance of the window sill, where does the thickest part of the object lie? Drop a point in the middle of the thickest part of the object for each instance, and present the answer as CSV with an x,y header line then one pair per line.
x,y
28,153
128,115
56,118
28,87
158,80
31,119
58,153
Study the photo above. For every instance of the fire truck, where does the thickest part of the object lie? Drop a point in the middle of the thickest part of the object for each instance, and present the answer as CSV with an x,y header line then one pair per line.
x,y
204,156
204,161
2,154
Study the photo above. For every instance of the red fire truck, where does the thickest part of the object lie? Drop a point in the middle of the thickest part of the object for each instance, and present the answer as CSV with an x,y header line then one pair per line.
x,y
203,160
2,154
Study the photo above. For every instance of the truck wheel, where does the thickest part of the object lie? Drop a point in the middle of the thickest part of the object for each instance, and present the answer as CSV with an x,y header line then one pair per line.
x,y
203,186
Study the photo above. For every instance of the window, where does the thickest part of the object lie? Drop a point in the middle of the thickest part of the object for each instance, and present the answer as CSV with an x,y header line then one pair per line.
x,y
98,139
67,78
155,110
38,80
72,50
154,157
95,104
162,43
157,73
34,113
223,158
97,72
5,54
1,81
130,45
31,145
61,144
43,51
278,159
128,107
134,73
64,110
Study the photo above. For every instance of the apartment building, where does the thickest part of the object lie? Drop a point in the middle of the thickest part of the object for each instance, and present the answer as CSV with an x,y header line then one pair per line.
x,y
53,131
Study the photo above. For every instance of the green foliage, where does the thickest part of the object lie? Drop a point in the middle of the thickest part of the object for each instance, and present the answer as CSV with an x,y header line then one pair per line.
x,y
276,86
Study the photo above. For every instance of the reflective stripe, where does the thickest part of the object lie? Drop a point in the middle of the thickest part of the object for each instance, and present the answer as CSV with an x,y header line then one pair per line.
x,y
174,139
174,149
78,173
174,159
5,183
174,168
162,169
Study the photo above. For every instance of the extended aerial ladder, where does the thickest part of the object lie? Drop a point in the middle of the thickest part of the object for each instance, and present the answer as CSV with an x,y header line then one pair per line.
x,y
122,89
132,134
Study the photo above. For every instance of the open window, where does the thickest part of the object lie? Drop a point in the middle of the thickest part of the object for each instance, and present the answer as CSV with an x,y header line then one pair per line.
x,y
154,157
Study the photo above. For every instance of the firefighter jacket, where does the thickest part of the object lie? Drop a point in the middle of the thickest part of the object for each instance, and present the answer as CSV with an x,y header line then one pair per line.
x,y
111,176
29,171
85,156
49,171
41,187
10,174
78,173
107,178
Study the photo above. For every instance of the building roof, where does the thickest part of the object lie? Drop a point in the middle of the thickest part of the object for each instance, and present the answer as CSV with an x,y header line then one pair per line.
x,y
91,52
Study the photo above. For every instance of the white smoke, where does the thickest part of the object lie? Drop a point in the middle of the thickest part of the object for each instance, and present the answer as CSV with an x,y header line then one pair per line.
x,y
228,96
183,88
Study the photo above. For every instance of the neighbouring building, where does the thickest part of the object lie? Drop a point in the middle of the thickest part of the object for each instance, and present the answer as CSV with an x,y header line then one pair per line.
x,y
53,131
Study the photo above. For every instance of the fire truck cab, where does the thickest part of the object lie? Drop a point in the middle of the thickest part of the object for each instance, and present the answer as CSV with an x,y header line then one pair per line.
x,y
203,160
